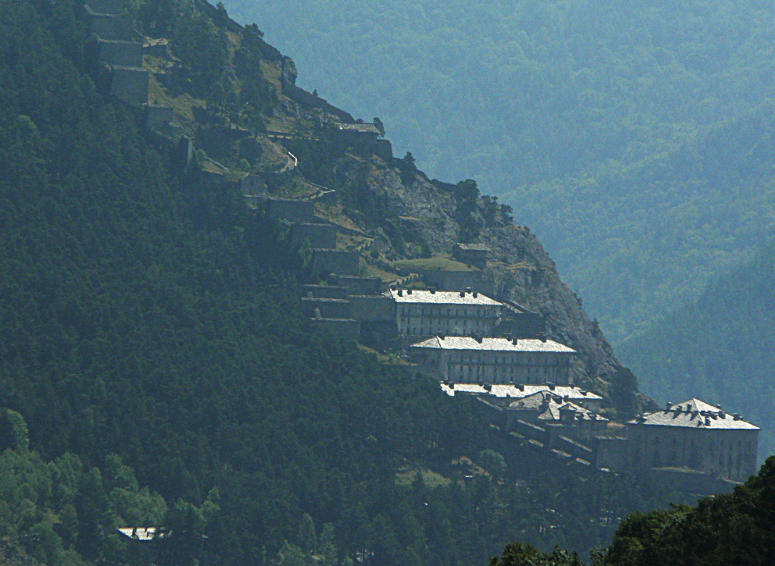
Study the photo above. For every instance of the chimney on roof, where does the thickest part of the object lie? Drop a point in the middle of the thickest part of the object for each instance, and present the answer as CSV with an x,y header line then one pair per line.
x,y
667,406
478,338
468,289
462,293
707,421
400,293
432,290
521,386
408,291
551,386
476,294
737,416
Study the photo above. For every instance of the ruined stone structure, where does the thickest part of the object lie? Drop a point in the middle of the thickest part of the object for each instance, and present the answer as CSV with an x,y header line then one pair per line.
x,y
458,313
694,436
495,360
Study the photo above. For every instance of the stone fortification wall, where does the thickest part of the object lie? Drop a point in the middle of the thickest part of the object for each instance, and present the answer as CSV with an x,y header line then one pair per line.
x,y
130,85
612,453
373,308
347,329
319,235
340,262
325,308
384,149
292,210
324,291
121,53
360,285
112,27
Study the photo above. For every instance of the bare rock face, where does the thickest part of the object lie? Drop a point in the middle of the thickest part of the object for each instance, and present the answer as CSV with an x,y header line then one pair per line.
x,y
519,268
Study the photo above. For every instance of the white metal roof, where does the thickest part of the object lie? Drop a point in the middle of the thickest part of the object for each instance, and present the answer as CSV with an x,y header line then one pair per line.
x,y
493,344
519,391
441,297
694,413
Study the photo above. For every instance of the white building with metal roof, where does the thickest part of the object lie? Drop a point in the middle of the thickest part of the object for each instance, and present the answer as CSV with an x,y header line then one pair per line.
x,y
495,360
511,392
695,435
421,312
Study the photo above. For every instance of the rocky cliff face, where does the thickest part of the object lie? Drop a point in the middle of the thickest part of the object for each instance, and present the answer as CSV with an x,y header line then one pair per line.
x,y
405,215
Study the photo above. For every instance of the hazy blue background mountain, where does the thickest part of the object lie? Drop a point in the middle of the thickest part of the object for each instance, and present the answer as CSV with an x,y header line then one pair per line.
x,y
633,137
719,347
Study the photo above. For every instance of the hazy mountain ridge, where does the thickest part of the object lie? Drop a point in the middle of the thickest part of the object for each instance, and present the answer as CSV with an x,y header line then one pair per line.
x,y
727,332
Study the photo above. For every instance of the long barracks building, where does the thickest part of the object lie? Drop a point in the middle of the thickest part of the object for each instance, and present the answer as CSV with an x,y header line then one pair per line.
x,y
495,360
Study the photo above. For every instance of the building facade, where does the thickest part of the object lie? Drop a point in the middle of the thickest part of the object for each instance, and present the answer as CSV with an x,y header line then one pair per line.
x,y
495,360
430,313
695,436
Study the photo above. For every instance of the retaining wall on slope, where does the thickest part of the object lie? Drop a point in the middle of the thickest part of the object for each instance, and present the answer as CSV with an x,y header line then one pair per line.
x,y
341,262
130,85
121,53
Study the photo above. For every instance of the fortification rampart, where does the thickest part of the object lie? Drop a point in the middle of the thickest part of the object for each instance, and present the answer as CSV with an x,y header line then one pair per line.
x,y
319,235
325,308
293,210
120,53
112,27
324,291
373,308
341,262
130,85
356,285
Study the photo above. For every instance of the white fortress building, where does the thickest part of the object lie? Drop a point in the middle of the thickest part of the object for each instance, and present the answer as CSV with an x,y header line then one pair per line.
x,y
495,360
695,436
422,312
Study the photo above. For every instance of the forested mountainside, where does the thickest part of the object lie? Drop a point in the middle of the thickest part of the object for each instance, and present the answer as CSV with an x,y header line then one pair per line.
x,y
156,369
720,346
606,125
735,528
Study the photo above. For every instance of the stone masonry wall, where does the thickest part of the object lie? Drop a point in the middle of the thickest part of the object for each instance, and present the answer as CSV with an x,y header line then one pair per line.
x,y
334,261
130,85
319,235
372,308
328,308
121,53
